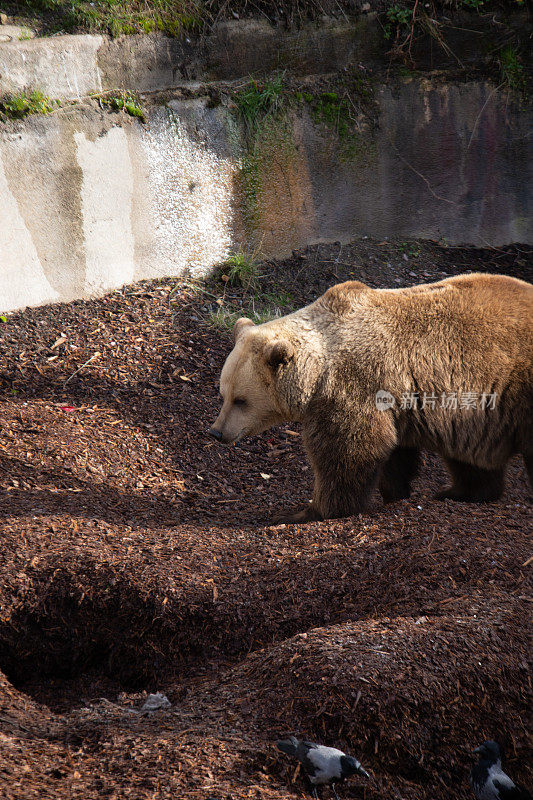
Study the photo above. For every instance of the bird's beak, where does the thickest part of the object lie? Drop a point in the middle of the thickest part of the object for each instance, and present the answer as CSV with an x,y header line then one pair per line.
x,y
478,749
363,772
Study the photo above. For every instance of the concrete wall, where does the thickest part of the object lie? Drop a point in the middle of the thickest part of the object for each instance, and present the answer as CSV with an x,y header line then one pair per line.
x,y
90,200
87,205
72,67
449,160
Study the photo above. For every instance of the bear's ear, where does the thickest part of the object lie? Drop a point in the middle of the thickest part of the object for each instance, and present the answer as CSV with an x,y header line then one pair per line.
x,y
278,353
240,325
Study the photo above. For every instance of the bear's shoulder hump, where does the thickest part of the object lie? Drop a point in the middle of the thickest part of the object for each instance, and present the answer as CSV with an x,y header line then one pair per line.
x,y
339,299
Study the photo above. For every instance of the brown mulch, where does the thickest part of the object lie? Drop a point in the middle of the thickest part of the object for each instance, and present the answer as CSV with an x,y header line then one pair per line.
x,y
138,556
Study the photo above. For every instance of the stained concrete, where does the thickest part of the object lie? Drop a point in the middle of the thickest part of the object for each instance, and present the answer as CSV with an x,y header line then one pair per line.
x,y
63,67
70,67
458,161
91,200
23,278
450,161
88,205
44,181
190,178
254,47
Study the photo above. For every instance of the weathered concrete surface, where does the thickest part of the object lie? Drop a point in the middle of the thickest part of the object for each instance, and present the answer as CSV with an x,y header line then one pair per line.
x,y
12,33
448,160
69,67
254,47
91,200
63,67
145,63
87,205
457,161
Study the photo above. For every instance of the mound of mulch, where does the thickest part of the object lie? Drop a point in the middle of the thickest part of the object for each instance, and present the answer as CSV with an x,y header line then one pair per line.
x,y
139,556
358,684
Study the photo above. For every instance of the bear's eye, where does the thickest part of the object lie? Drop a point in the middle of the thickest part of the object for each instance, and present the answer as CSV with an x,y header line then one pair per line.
x,y
239,401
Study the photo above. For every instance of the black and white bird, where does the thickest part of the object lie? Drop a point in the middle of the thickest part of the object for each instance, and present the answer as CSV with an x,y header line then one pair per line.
x,y
489,781
322,764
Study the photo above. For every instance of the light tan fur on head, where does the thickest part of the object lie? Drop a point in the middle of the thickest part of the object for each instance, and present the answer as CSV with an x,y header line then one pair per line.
x,y
250,405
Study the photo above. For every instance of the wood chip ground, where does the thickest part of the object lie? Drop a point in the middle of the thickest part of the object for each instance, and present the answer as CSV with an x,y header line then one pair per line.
x,y
138,556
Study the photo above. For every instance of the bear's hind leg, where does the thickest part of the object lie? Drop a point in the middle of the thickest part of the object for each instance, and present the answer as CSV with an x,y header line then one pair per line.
x,y
473,484
398,472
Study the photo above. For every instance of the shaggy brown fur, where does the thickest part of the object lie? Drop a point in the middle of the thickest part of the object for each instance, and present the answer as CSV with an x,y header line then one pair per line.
x,y
324,364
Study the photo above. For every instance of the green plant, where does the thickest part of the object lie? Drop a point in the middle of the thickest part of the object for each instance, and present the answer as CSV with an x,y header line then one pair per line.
x,y
396,18
281,300
410,249
405,21
241,269
339,111
512,70
252,184
124,101
117,17
225,318
222,318
21,104
332,111
266,136
256,101
405,72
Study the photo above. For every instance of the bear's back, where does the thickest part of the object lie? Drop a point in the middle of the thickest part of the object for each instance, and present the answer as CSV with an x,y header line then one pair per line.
x,y
465,331
478,311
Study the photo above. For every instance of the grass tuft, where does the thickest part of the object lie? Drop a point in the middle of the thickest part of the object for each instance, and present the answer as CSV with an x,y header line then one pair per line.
x,y
115,17
22,104
512,70
240,268
124,101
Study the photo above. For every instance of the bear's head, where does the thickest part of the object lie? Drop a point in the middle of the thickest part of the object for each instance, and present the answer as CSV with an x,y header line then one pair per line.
x,y
251,382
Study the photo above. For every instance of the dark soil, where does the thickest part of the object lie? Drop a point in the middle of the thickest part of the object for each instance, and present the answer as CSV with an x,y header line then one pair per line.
x,y
138,556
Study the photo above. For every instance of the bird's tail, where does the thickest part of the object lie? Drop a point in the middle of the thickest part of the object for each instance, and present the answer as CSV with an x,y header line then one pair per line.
x,y
288,746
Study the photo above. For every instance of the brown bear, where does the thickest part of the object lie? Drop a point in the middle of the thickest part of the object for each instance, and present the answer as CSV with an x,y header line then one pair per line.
x,y
376,375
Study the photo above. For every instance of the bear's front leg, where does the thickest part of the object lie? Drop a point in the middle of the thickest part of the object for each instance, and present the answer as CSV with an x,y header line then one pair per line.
x,y
346,453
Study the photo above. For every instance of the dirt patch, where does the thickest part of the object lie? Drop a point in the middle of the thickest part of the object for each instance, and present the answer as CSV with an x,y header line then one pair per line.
x,y
137,556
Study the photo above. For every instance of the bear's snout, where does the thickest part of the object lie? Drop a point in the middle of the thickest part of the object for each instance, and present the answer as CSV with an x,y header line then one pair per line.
x,y
215,434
